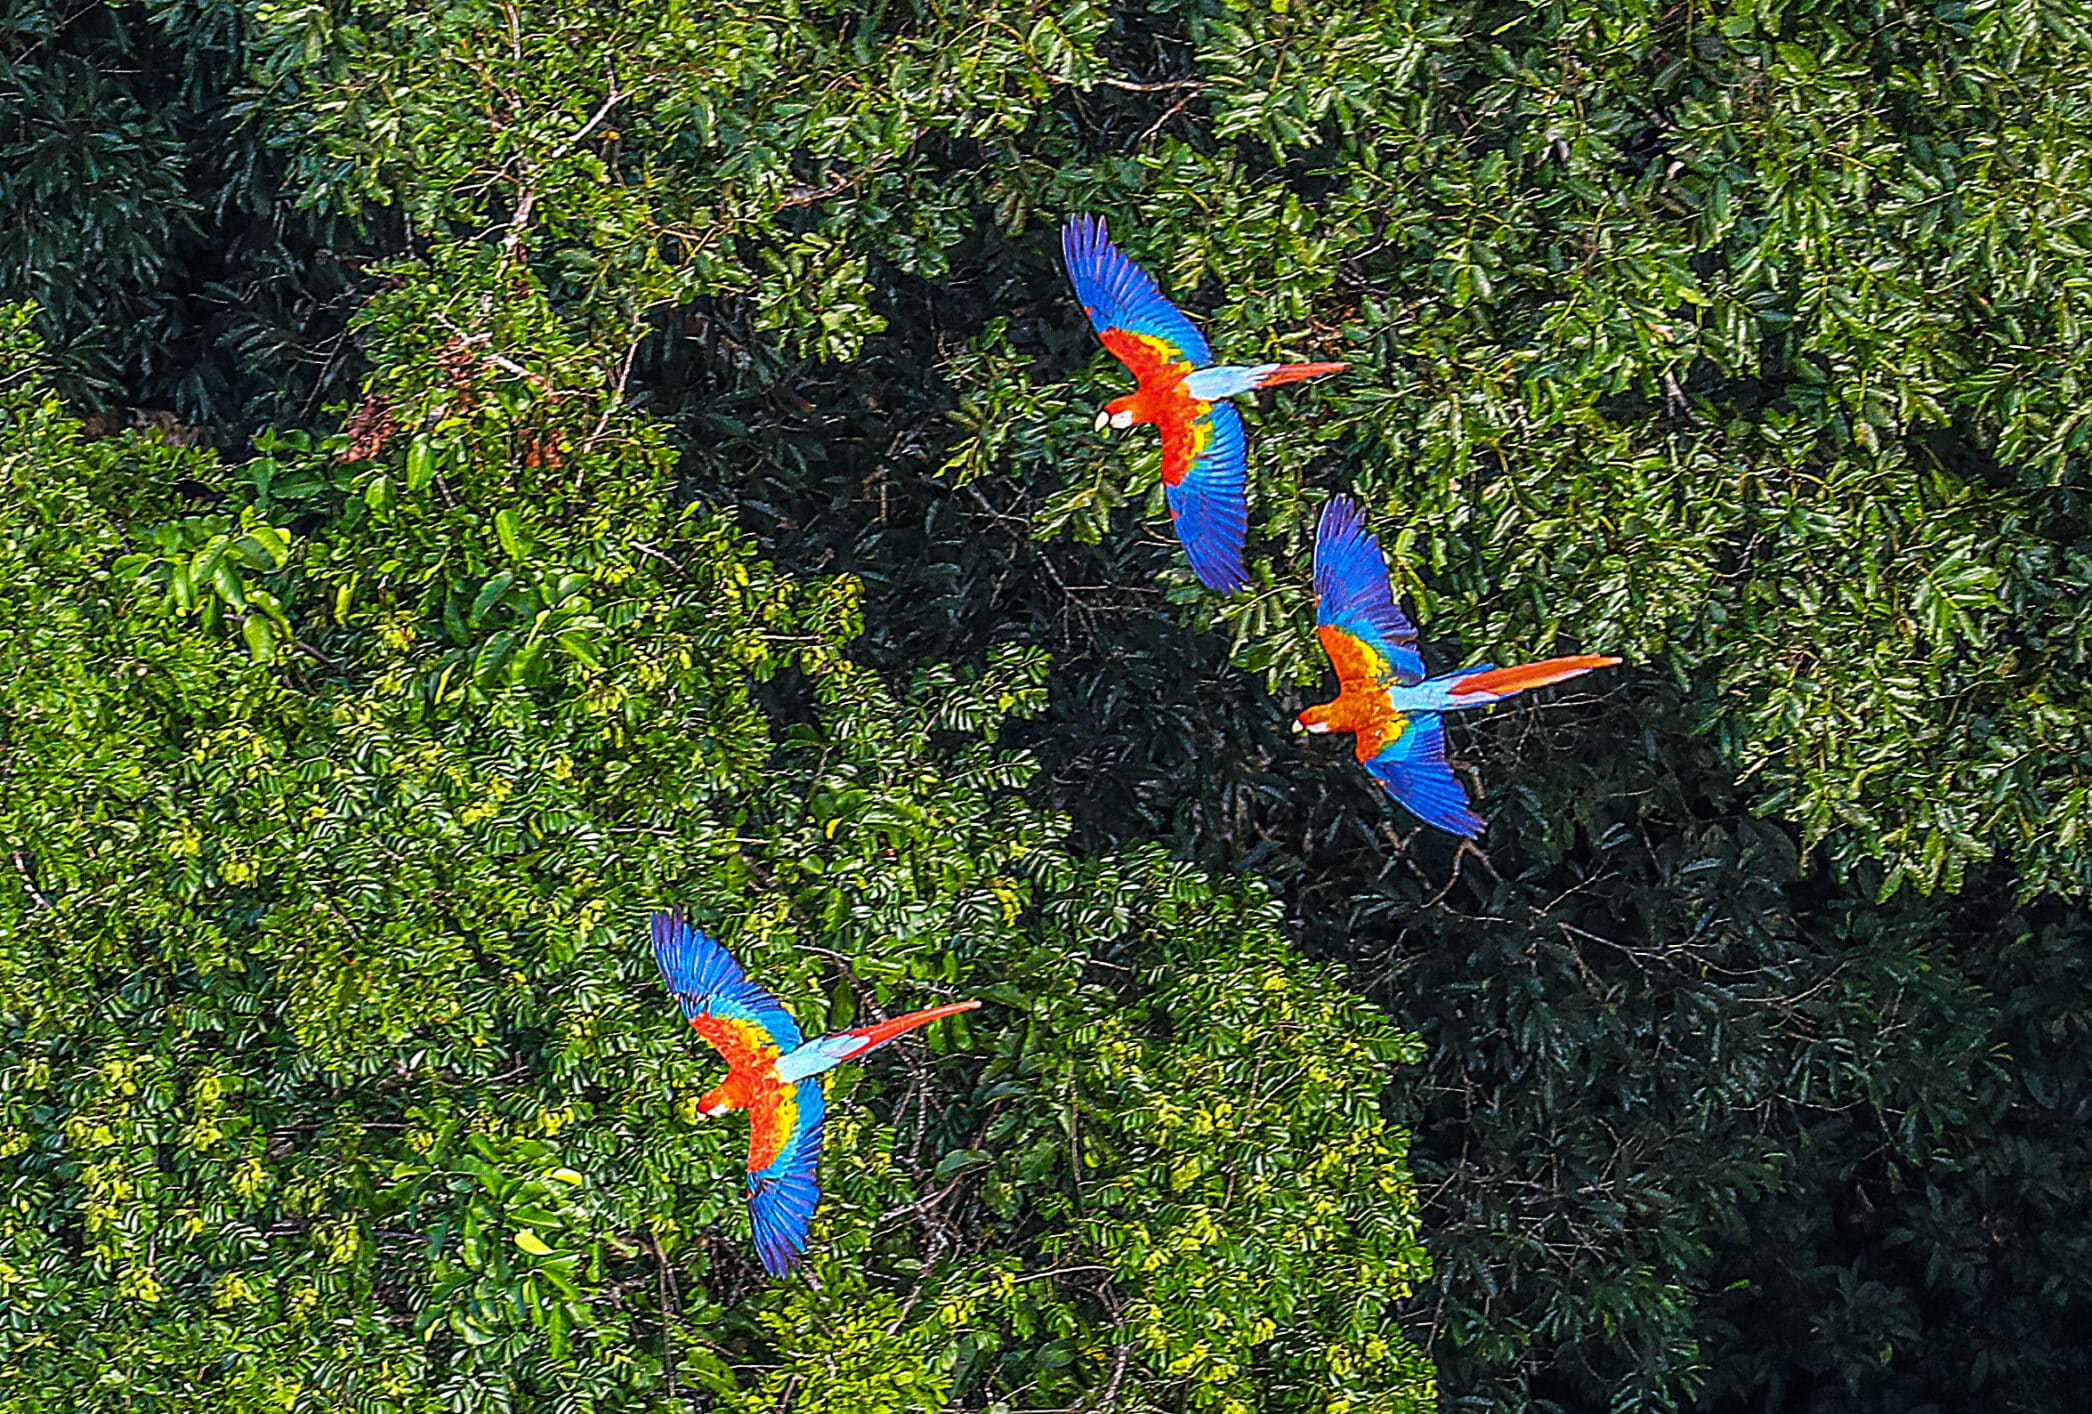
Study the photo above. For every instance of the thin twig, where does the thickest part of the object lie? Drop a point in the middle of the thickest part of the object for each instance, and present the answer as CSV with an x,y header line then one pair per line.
x,y
669,1302
616,395
1168,86
30,883
537,380
616,97
525,204
648,550
1057,1272
1157,125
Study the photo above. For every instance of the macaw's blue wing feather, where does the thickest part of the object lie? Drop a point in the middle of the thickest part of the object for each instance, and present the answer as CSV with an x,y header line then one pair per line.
x,y
1352,592
783,1195
1412,766
708,982
1117,294
1207,495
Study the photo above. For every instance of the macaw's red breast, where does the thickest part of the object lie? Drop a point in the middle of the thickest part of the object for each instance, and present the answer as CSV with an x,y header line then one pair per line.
x,y
1363,707
1161,399
773,1113
1371,718
1185,435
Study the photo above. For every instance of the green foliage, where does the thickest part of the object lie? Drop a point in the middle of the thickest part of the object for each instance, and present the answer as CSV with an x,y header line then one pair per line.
x,y
1733,341
1267,1097
1702,1130
1739,338
335,1065
170,269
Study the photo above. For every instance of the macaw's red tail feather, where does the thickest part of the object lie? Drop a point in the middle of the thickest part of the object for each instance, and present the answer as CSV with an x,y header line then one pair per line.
x,y
1502,682
1294,372
885,1031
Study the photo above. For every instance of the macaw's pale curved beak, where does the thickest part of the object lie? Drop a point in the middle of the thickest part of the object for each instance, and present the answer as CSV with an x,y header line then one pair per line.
x,y
1103,419
1299,727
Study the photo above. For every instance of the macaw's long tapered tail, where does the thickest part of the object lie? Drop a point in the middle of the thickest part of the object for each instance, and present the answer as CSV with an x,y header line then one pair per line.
x,y
874,1037
1294,372
832,1050
1493,683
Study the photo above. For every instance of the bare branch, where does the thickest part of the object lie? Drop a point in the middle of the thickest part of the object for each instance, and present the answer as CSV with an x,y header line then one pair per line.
x,y
616,97
616,395
1171,86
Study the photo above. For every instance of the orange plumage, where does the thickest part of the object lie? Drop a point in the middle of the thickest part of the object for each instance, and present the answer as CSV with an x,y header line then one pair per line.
x,y
1505,681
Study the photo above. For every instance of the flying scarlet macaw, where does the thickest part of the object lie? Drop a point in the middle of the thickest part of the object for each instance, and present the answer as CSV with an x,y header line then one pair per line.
x,y
772,1073
1383,697
1205,461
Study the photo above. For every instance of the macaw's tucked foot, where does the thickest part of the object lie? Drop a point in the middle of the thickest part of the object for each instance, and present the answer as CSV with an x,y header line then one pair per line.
x,y
1294,372
1502,682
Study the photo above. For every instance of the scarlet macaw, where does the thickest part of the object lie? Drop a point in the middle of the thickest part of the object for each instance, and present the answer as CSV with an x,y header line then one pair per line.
x,y
772,1073
1205,461
1383,697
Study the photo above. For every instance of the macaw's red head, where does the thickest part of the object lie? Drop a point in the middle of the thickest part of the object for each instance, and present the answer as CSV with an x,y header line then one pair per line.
x,y
1121,413
1316,719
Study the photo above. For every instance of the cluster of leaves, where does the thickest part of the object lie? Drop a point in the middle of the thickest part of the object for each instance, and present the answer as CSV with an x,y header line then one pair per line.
x,y
171,270
1733,338
335,1067
1700,1127
1675,335
1738,337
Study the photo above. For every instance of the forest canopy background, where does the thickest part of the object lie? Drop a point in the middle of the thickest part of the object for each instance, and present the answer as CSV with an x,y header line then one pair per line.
x,y
593,457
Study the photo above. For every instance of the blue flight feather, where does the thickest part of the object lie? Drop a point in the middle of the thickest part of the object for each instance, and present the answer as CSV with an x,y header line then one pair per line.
x,y
1413,768
1352,591
1210,507
1117,294
707,981
782,1197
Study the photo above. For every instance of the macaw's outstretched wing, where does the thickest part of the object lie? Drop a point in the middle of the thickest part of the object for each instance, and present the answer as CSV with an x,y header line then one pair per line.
x,y
1146,332
740,1020
1411,764
1205,472
784,1158
1369,639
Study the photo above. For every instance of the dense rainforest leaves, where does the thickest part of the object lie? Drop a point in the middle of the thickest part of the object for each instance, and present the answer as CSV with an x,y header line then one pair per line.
x,y
337,1069
1741,338
177,281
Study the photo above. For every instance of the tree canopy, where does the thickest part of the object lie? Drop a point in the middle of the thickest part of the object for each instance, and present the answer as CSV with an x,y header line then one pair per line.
x,y
616,456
